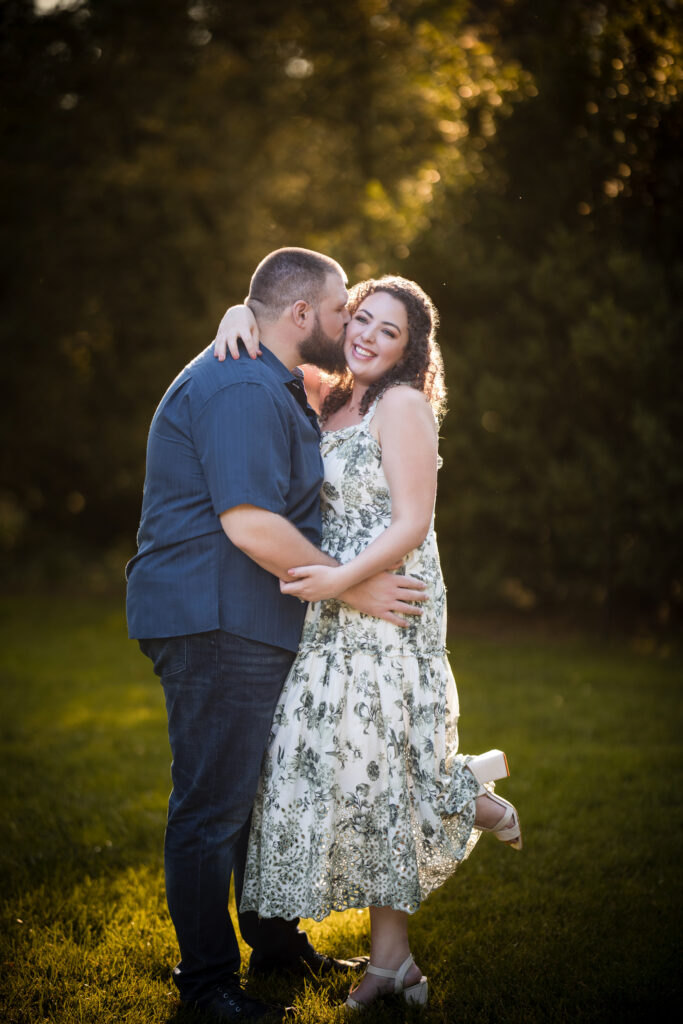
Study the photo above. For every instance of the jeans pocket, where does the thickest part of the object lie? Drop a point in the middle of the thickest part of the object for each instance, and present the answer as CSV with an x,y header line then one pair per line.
x,y
168,654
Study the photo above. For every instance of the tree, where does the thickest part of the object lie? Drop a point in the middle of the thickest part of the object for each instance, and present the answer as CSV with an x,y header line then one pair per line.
x,y
520,159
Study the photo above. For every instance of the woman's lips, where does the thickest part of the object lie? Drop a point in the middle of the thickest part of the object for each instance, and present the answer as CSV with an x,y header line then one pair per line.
x,y
360,352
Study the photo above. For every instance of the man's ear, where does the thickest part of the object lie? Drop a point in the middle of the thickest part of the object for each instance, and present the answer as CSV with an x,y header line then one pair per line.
x,y
300,312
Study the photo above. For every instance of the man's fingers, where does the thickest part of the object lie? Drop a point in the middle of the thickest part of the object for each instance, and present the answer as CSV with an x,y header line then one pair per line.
x,y
410,582
390,617
406,594
407,609
397,613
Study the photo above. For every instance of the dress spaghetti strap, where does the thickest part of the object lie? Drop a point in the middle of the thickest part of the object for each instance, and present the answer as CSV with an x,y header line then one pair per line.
x,y
373,407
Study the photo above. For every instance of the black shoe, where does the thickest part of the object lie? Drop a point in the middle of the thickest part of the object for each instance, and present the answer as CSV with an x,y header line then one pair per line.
x,y
231,1003
310,962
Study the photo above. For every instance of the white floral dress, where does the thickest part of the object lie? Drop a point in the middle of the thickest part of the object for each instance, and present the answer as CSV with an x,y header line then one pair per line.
x,y
363,800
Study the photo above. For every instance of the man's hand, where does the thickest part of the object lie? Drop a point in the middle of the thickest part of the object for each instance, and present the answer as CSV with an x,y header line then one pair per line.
x,y
387,596
238,323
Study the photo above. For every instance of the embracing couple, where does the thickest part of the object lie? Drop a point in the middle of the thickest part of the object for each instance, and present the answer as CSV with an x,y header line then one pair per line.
x,y
288,591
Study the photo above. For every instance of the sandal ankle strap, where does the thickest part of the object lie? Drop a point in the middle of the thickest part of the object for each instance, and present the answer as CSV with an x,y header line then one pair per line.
x,y
398,975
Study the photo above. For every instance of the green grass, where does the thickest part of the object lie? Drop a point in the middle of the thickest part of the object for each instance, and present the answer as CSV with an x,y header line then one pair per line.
x,y
583,925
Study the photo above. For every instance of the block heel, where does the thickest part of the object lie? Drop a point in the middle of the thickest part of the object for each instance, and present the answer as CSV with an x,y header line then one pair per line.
x,y
489,766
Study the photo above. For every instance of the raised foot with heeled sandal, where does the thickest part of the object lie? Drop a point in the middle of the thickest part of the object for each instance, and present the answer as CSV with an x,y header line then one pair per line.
x,y
417,994
487,768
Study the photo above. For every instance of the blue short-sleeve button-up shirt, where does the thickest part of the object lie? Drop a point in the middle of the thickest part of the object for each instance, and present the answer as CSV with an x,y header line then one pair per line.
x,y
225,434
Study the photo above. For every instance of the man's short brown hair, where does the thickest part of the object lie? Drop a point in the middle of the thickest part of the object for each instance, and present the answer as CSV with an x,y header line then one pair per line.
x,y
287,275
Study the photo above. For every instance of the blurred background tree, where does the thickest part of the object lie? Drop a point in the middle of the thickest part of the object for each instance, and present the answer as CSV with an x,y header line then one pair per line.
x,y
522,160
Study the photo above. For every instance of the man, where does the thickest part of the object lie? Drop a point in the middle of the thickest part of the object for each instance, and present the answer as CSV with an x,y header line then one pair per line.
x,y
230,503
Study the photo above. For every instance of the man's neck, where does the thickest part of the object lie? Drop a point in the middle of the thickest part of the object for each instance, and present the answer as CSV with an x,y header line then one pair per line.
x,y
283,348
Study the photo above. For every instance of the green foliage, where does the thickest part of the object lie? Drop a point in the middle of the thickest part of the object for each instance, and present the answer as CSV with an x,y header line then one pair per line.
x,y
561,324
562,436
520,159
583,925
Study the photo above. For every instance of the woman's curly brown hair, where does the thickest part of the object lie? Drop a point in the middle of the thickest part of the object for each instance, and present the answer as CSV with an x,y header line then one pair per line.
x,y
421,365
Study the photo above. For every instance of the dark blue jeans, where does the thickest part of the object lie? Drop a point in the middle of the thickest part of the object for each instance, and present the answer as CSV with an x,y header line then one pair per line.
x,y
220,691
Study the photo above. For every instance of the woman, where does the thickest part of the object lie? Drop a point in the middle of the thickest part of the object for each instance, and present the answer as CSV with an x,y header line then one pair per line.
x,y
363,800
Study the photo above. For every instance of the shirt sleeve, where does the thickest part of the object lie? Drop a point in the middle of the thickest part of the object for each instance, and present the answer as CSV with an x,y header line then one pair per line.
x,y
243,443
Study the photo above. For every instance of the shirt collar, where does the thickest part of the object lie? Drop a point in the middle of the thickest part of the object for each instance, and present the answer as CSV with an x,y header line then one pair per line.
x,y
279,368
292,379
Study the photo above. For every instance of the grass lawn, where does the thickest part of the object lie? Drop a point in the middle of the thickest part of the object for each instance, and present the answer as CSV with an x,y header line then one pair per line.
x,y
583,925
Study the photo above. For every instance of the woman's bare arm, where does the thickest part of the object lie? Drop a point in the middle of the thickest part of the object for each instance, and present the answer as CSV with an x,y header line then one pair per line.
x,y
238,323
409,440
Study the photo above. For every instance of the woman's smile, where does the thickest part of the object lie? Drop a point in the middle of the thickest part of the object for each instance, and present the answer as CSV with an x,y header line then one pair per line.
x,y
361,352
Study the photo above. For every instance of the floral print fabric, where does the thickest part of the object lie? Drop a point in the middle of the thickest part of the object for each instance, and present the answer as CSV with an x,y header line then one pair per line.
x,y
363,799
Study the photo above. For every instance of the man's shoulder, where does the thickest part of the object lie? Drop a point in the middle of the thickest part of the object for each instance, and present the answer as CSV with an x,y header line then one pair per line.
x,y
209,377
206,368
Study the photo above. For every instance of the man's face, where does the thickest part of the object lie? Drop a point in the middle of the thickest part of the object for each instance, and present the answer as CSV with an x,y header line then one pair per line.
x,y
324,346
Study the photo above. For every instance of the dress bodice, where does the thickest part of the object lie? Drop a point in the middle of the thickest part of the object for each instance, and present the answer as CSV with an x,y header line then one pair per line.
x,y
356,508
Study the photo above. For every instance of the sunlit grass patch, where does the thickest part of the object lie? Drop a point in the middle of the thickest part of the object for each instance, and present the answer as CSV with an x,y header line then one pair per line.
x,y
583,925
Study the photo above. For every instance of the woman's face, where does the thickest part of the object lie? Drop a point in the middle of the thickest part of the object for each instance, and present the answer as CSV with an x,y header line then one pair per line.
x,y
376,337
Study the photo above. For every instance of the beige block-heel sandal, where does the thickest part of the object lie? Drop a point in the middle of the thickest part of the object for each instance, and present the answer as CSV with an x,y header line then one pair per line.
x,y
486,768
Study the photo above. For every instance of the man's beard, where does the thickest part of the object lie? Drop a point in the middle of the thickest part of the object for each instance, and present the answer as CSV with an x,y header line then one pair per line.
x,y
322,351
